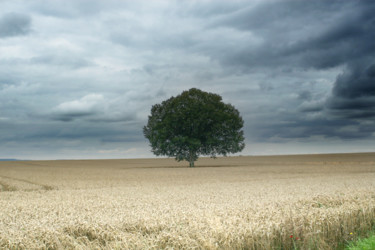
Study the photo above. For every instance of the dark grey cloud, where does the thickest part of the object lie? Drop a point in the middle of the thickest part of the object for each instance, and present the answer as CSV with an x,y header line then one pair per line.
x,y
84,131
75,139
14,24
357,81
305,129
353,95
312,35
70,116
302,34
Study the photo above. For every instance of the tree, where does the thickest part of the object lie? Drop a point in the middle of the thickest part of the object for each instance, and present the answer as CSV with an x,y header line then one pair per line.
x,y
194,123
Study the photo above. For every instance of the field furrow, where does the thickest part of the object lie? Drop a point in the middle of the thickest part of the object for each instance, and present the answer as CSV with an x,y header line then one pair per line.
x,y
13,184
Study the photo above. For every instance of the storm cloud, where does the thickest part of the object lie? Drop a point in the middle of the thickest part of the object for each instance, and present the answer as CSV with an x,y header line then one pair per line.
x,y
78,78
313,35
353,95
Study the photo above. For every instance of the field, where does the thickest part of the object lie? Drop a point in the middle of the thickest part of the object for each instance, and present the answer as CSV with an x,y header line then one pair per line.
x,y
271,202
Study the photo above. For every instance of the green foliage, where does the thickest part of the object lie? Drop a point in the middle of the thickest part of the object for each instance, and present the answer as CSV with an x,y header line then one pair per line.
x,y
363,244
194,123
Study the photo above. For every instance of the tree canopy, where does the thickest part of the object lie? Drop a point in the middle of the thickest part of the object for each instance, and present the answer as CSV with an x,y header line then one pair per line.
x,y
194,123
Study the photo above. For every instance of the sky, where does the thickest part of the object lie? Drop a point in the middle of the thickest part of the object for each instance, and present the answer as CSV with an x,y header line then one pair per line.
x,y
78,77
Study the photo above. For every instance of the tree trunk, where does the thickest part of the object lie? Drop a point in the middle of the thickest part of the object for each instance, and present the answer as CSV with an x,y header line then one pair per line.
x,y
191,159
191,163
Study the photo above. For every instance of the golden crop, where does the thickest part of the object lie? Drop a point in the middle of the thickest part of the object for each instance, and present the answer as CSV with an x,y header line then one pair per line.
x,y
314,202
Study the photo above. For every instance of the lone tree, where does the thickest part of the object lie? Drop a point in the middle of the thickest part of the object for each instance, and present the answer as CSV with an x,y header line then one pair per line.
x,y
194,123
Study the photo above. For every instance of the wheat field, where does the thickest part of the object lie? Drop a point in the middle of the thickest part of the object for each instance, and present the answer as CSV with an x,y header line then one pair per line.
x,y
254,202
